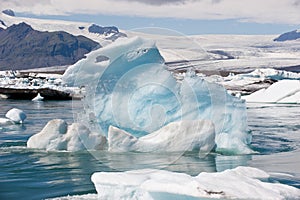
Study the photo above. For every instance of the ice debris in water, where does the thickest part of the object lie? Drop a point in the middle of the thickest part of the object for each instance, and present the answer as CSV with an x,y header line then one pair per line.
x,y
13,116
284,91
149,184
57,135
5,121
133,91
38,97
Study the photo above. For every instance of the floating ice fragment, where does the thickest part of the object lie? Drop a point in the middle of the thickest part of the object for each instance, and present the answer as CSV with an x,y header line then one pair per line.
x,y
5,121
57,135
273,74
38,98
16,115
284,91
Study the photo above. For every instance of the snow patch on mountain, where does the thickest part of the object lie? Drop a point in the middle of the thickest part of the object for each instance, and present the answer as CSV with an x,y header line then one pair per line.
x,y
292,35
9,12
74,28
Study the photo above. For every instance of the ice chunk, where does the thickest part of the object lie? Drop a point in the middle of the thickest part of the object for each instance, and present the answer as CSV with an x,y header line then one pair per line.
x,y
57,135
238,183
38,98
272,74
51,137
135,92
5,121
16,115
284,91
177,136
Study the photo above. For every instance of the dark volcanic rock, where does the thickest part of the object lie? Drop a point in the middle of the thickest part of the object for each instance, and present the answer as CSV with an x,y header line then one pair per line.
x,y
2,23
292,35
9,12
22,47
94,28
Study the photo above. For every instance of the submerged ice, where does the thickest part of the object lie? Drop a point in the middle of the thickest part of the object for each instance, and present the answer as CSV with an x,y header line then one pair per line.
x,y
132,90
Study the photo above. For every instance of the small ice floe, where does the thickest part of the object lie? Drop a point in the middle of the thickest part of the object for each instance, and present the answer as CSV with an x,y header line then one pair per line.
x,y
149,184
58,135
16,115
5,121
176,136
38,98
284,91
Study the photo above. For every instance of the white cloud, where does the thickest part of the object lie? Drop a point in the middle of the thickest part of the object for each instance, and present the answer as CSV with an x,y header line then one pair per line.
x,y
266,11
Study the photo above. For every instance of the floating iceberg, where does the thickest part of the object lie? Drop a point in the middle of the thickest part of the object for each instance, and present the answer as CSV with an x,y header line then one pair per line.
x,y
38,98
132,90
16,115
57,135
284,91
177,136
238,183
13,116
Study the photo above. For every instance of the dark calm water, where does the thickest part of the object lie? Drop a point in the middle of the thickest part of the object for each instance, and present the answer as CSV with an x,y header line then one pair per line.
x,y
33,174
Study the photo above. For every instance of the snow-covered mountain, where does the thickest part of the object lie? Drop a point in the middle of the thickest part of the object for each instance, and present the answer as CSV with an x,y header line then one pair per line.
x,y
27,43
22,47
103,35
292,35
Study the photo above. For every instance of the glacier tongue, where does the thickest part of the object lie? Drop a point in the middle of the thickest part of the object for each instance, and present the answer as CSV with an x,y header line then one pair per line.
x,y
132,90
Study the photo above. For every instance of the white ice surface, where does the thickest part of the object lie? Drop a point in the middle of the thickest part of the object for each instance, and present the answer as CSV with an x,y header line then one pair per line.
x,y
38,97
5,121
16,115
57,135
176,136
238,183
77,197
204,52
284,91
272,74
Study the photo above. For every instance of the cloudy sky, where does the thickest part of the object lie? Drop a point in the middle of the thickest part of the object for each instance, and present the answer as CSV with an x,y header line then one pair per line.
x,y
187,16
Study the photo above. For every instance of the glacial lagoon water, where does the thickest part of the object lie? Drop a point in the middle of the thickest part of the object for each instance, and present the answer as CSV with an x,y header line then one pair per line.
x,y
35,174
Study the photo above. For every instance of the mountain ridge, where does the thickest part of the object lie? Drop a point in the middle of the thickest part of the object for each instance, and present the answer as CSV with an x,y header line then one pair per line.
x,y
291,35
22,47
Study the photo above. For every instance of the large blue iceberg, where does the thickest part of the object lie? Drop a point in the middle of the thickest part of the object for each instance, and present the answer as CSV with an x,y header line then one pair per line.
x,y
129,87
